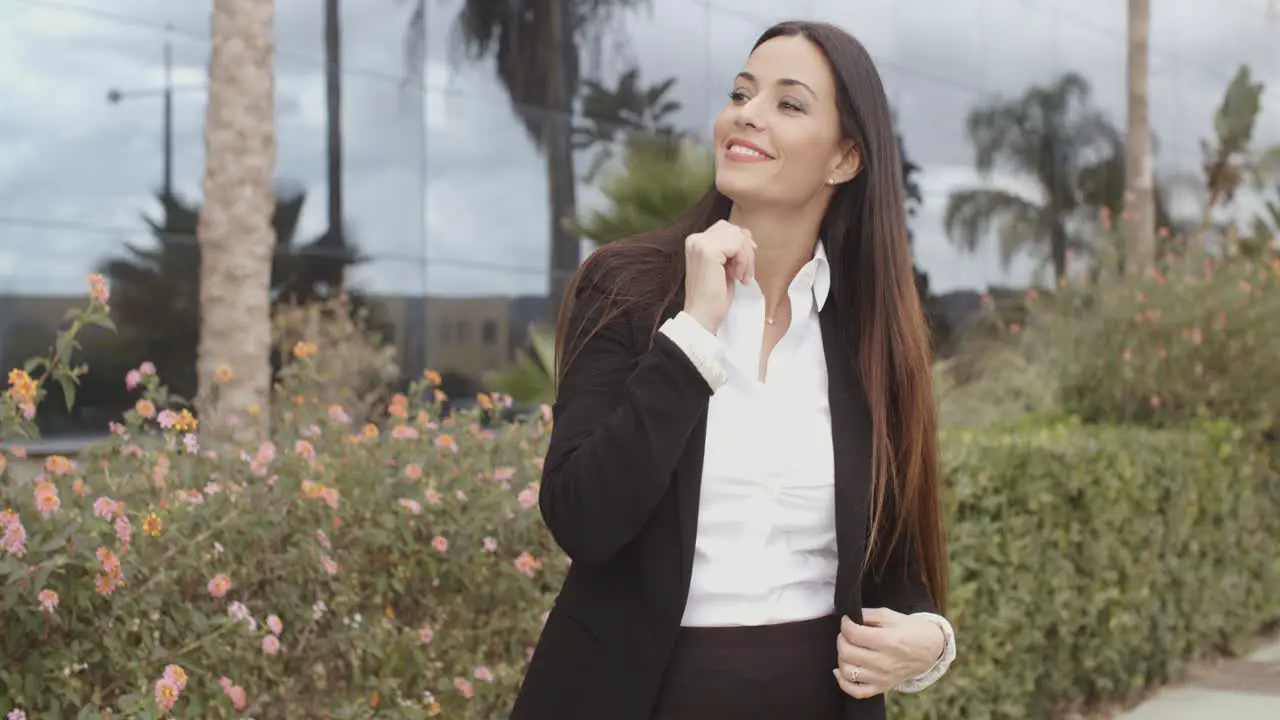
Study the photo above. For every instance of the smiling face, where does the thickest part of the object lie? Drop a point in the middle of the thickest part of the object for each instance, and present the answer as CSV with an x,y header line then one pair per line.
x,y
779,140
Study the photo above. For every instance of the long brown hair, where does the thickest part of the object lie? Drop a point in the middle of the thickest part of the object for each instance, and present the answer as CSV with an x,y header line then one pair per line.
x,y
873,290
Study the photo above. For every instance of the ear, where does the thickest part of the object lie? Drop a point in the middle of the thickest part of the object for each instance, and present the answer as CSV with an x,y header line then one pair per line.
x,y
847,165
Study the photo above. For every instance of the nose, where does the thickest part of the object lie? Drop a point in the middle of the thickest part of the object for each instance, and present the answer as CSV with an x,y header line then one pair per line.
x,y
750,114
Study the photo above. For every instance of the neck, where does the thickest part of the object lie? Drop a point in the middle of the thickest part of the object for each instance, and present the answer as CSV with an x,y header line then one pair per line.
x,y
784,243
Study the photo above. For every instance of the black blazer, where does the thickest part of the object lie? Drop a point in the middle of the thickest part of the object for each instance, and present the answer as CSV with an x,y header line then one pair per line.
x,y
620,495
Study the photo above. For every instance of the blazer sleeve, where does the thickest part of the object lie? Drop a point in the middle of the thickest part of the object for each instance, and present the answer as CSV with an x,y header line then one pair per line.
x,y
621,422
894,580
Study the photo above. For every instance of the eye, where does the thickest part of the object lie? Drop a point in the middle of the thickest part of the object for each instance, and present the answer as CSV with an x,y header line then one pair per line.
x,y
791,106
738,96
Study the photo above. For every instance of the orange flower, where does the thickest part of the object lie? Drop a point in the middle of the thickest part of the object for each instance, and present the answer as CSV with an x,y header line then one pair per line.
x,y
145,409
432,377
223,374
152,525
303,349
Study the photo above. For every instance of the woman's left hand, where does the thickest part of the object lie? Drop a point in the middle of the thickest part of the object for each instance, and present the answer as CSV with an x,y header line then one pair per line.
x,y
888,649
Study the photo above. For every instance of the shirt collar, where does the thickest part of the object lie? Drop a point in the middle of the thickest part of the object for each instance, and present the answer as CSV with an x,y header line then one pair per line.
x,y
821,275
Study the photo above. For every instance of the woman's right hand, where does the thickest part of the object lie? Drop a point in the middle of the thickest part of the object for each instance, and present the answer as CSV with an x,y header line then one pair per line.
x,y
713,260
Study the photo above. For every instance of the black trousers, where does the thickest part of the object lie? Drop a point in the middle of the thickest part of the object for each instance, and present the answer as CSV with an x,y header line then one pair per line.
x,y
743,673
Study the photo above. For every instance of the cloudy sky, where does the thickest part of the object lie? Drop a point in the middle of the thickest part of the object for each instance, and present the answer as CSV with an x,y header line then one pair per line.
x,y
454,179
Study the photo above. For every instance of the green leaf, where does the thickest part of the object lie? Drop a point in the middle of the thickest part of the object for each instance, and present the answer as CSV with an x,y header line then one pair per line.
x,y
102,321
68,384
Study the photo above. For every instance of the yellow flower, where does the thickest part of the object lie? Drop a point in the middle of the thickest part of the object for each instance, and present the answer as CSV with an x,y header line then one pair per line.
x,y
370,431
185,422
223,374
152,525
433,709
21,387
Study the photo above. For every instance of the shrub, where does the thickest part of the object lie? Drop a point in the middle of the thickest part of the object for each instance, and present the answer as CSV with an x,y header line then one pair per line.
x,y
1166,344
340,569
1091,562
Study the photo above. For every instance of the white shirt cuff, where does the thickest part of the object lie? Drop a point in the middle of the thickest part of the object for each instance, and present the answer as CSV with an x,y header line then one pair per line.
x,y
700,345
929,677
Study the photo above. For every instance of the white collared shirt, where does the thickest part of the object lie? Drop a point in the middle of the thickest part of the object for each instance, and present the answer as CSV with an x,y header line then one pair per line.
x,y
765,551
766,544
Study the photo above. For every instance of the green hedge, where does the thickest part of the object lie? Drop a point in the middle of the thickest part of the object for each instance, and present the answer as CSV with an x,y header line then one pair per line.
x,y
1089,563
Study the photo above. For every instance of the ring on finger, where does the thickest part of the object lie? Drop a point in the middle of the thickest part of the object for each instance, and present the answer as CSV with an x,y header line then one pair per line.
x,y
854,673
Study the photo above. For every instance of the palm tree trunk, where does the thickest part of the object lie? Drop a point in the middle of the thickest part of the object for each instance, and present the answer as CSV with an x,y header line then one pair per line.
x,y
333,114
1139,170
234,230
558,127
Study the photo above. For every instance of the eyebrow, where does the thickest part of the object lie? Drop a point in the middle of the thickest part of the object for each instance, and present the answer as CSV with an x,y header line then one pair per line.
x,y
786,82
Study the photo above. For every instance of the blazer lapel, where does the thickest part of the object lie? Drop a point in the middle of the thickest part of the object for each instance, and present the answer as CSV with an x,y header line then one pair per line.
x,y
851,442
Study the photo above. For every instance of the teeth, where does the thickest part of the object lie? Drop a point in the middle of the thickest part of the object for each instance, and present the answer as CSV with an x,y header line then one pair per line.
x,y
742,150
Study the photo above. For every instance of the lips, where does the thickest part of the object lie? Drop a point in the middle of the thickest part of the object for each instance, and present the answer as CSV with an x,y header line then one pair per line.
x,y
739,149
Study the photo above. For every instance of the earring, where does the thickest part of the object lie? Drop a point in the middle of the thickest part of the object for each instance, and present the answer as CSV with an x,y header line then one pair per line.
x,y
831,181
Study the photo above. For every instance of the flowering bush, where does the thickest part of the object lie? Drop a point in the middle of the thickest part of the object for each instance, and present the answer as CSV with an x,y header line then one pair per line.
x,y
336,570
1193,335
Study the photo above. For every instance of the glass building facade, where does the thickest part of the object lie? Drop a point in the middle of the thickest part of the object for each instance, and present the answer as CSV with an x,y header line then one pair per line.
x,y
445,189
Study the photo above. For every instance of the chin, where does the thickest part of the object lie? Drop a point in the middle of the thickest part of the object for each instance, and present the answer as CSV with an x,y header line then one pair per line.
x,y
739,189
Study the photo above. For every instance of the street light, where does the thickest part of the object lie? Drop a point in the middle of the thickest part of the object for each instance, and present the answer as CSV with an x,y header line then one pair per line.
x,y
115,96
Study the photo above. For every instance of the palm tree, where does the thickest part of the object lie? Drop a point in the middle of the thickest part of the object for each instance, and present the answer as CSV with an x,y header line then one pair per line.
x,y
234,228
1047,134
536,45
1139,165
622,111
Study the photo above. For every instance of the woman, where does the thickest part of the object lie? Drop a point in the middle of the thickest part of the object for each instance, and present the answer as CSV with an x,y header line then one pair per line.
x,y
744,463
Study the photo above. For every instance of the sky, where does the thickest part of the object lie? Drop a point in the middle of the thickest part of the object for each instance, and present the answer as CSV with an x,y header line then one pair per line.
x,y
449,175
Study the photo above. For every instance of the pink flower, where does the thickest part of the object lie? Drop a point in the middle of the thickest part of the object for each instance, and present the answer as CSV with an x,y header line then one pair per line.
x,y
48,600
464,687
176,675
132,379
305,449
528,497
440,543
330,566
404,432
147,368
484,674
14,538
412,471
338,415
166,694
124,529
274,624
219,585
47,501
106,508
432,496
16,714
504,473
527,564
270,644
411,505
234,693
490,544
167,418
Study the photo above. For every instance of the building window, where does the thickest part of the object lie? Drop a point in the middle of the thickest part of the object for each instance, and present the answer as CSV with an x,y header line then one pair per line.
x,y
463,332
489,332
446,332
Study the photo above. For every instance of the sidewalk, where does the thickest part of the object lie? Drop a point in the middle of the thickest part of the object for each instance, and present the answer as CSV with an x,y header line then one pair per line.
x,y
1246,688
